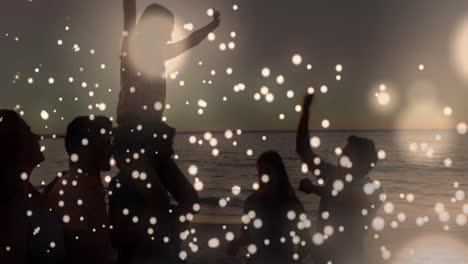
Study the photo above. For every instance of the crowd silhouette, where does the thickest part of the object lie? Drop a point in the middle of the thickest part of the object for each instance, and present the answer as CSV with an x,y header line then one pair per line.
x,y
70,221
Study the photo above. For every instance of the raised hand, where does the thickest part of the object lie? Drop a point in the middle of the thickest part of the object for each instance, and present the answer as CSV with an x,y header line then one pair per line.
x,y
308,100
216,18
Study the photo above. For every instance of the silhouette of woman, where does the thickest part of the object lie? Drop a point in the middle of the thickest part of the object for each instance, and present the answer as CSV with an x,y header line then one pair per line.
x,y
275,228
28,233
143,143
342,191
145,50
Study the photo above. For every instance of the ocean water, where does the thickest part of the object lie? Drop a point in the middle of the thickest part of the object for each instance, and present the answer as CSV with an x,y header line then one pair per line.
x,y
414,174
413,167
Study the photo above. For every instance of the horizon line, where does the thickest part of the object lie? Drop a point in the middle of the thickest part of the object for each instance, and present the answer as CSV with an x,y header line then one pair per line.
x,y
290,131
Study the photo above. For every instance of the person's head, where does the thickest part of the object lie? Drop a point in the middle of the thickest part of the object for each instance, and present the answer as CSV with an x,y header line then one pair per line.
x,y
88,142
158,20
19,146
272,175
362,156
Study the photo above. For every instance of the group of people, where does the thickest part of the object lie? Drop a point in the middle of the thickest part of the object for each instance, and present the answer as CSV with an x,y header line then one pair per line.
x,y
71,222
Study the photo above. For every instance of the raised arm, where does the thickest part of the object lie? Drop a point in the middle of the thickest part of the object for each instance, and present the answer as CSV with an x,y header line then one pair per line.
x,y
175,49
303,147
129,8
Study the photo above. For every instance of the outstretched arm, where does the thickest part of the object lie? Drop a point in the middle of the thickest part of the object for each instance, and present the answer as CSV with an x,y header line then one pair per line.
x,y
175,49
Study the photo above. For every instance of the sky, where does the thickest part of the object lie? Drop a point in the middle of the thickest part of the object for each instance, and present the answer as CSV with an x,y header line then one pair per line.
x,y
415,48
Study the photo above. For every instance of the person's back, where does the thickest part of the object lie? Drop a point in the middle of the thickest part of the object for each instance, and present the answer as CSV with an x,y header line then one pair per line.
x,y
275,227
78,198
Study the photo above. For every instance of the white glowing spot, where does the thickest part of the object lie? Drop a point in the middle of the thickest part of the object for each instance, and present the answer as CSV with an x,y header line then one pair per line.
x,y
315,142
461,219
291,215
215,152
439,208
252,249
66,219
211,37
369,188
447,162
44,115
266,72
222,202
192,139
310,90
188,26
231,45
339,68
193,170
236,189
213,243
444,217
381,154
401,217
389,207
228,134
460,195
30,80
290,94
383,98
304,168
325,123
60,42
298,108
323,89
255,186
222,46
338,185
269,97
280,79
249,152
198,185
235,7
233,34
103,66
338,77
309,67
24,176
229,236
378,223
448,111
229,71
281,116
421,67
202,103
318,239
296,59
462,128
264,90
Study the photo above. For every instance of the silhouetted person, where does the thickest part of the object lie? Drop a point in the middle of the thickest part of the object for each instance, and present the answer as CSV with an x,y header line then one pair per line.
x,y
349,198
275,228
145,50
143,143
146,226
78,198
28,233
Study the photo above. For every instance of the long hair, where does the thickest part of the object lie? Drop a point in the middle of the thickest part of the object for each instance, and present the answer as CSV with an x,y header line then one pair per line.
x,y
271,163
